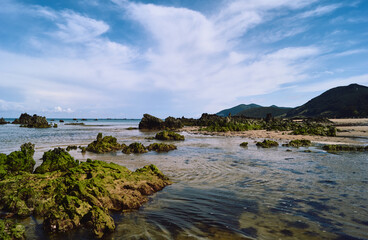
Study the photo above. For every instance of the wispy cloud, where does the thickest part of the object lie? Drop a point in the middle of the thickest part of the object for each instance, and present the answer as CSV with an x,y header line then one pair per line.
x,y
321,10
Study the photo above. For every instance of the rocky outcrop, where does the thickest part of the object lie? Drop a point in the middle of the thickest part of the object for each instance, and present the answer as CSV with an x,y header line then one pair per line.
x,y
267,144
151,123
104,144
298,143
168,135
2,121
161,147
55,160
34,121
11,230
18,161
134,148
68,195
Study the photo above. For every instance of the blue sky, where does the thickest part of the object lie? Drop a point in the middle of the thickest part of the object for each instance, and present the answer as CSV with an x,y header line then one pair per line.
x,y
121,58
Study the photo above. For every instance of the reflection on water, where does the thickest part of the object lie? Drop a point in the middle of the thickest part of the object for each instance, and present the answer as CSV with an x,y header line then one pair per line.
x,y
224,191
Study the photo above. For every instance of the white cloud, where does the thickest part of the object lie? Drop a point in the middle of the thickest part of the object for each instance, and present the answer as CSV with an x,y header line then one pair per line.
x,y
76,28
351,52
61,110
321,10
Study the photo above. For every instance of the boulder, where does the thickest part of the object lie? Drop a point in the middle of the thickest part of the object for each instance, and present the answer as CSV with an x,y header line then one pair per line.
x,y
57,159
168,135
151,123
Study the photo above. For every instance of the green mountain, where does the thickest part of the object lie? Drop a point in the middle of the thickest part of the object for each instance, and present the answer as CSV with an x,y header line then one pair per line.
x,y
261,112
236,109
340,102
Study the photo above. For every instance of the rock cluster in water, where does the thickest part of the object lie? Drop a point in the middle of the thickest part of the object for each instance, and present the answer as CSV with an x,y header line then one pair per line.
x,y
215,123
298,143
150,122
169,135
68,194
267,144
2,121
348,148
26,120
104,144
244,144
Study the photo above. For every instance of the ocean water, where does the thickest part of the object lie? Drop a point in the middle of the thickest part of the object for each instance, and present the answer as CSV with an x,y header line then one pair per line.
x,y
221,190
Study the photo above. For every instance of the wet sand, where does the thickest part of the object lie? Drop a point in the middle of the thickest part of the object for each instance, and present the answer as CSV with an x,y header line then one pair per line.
x,y
350,131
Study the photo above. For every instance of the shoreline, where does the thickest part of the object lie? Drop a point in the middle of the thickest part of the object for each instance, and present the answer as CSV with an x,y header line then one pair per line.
x,y
348,131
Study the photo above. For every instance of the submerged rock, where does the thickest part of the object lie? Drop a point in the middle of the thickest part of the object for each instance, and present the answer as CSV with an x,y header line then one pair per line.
x,y
134,148
168,135
11,230
298,143
348,148
150,122
267,144
82,194
244,144
34,121
103,145
161,147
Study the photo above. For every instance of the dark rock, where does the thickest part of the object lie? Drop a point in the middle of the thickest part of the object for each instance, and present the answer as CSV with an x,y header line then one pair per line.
x,y
2,121
71,147
244,144
150,122
347,148
61,121
173,123
34,121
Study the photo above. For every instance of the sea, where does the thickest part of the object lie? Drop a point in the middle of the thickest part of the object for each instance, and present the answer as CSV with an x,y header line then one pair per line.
x,y
220,190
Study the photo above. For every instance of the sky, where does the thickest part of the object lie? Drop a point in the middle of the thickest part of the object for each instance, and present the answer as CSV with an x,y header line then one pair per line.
x,y
124,58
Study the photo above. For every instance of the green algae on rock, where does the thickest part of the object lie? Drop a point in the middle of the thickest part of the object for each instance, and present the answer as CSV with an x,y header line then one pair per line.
x,y
267,144
79,195
347,148
18,161
244,144
10,230
169,135
298,143
161,147
134,148
57,159
103,145
71,147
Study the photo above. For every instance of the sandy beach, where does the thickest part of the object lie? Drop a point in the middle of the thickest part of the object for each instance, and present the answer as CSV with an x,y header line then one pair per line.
x,y
349,132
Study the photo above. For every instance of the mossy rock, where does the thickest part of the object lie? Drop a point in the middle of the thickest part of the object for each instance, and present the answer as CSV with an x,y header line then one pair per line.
x,y
298,143
168,135
150,122
267,144
104,144
18,161
71,147
9,230
244,144
2,121
57,159
346,148
134,148
80,195
161,147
